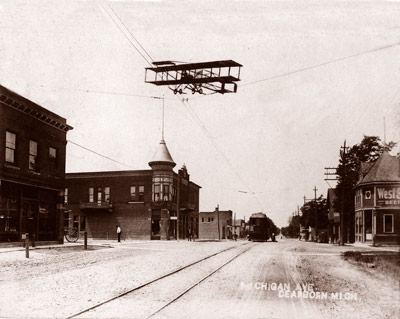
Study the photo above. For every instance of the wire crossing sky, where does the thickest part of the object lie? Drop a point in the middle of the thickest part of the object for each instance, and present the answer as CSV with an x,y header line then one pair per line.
x,y
314,74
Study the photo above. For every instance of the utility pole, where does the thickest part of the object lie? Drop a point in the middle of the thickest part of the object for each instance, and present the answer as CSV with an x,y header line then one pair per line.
x,y
343,155
315,212
178,207
217,210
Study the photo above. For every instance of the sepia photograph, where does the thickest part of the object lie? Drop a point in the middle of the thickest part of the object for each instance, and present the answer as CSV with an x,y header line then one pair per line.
x,y
199,159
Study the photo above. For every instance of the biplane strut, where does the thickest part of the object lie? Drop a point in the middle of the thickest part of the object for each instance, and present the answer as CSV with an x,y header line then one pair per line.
x,y
216,76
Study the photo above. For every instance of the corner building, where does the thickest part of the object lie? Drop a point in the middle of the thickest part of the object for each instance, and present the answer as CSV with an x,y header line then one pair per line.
x,y
32,170
144,203
377,201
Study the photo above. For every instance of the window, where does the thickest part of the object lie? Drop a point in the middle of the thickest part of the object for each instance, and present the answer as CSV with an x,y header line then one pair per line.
x,y
141,193
157,195
107,194
388,224
66,196
133,193
53,162
33,155
91,195
202,219
11,146
210,219
99,195
166,196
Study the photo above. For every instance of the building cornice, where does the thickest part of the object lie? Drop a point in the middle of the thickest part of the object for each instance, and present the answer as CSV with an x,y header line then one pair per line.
x,y
34,113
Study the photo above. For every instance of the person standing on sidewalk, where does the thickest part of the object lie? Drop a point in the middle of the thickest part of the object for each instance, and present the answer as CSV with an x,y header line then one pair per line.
x,y
119,233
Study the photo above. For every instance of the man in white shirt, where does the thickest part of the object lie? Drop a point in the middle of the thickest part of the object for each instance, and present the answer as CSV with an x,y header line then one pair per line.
x,y
118,233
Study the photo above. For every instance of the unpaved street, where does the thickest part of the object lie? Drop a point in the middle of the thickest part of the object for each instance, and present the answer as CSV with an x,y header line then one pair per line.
x,y
269,280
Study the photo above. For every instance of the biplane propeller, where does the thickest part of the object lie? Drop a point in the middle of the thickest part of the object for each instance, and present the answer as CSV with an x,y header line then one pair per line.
x,y
216,76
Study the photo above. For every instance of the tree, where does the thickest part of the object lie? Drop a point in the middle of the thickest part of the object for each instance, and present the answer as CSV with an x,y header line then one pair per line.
x,y
307,218
369,150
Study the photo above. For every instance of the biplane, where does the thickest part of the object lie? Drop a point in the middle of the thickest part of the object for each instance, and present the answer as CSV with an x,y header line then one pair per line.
x,y
216,76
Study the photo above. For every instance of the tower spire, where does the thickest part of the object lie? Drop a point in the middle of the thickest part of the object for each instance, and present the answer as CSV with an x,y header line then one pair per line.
x,y
162,130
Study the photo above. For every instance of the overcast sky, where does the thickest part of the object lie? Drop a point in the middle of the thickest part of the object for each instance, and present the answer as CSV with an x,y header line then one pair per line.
x,y
272,138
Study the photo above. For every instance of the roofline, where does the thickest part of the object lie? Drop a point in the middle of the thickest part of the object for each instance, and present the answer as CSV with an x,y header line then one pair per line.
x,y
108,174
377,183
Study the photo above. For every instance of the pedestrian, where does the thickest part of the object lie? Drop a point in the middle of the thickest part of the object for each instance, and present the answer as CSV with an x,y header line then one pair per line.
x,y
119,233
189,234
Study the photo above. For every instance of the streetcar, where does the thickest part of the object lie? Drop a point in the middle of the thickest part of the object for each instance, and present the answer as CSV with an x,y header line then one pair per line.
x,y
259,228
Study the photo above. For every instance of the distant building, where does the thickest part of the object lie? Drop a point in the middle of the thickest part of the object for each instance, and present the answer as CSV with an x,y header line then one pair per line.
x,y
333,217
144,203
377,201
215,225
32,169
238,227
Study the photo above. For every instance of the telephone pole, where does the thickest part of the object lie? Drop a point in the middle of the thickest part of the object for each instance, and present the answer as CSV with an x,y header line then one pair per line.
x,y
328,175
219,234
315,212
342,200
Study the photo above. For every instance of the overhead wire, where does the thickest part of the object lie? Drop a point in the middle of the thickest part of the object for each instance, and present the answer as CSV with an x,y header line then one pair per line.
x,y
130,41
122,22
321,64
219,150
104,156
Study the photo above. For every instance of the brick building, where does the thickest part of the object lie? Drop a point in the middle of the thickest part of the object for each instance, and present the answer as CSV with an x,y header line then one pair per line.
x,y
215,225
144,203
377,201
32,169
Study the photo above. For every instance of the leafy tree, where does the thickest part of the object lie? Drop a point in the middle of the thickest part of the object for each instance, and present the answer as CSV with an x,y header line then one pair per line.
x,y
307,218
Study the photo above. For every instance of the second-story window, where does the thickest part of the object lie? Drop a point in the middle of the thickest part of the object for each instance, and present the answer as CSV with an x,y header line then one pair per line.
x,y
157,195
66,196
141,193
166,194
52,160
107,194
133,193
11,146
33,155
91,195
99,195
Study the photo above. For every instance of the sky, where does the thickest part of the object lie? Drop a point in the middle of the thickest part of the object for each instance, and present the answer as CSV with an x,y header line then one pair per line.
x,y
315,73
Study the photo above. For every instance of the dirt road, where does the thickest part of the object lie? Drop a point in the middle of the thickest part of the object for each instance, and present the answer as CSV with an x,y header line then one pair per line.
x,y
271,280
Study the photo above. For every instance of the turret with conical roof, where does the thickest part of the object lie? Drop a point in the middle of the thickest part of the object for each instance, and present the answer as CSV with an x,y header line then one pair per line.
x,y
162,159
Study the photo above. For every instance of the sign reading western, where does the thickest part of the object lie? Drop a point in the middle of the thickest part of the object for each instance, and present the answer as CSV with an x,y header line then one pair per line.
x,y
388,196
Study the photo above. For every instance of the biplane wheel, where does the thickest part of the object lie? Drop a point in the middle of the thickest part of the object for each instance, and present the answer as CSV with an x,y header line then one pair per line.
x,y
175,91
201,91
180,91
193,91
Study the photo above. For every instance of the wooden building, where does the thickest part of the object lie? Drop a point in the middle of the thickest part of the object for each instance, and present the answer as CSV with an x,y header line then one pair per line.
x,y
377,201
32,169
144,203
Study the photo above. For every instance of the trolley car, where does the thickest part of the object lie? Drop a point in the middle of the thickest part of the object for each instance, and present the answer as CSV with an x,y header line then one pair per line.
x,y
259,228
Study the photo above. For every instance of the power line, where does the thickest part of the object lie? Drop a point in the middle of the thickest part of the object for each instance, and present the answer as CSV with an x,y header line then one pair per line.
x,y
321,64
216,146
109,158
113,20
130,33
116,93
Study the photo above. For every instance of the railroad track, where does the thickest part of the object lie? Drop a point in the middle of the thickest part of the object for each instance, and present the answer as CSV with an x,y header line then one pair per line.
x,y
171,273
198,282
